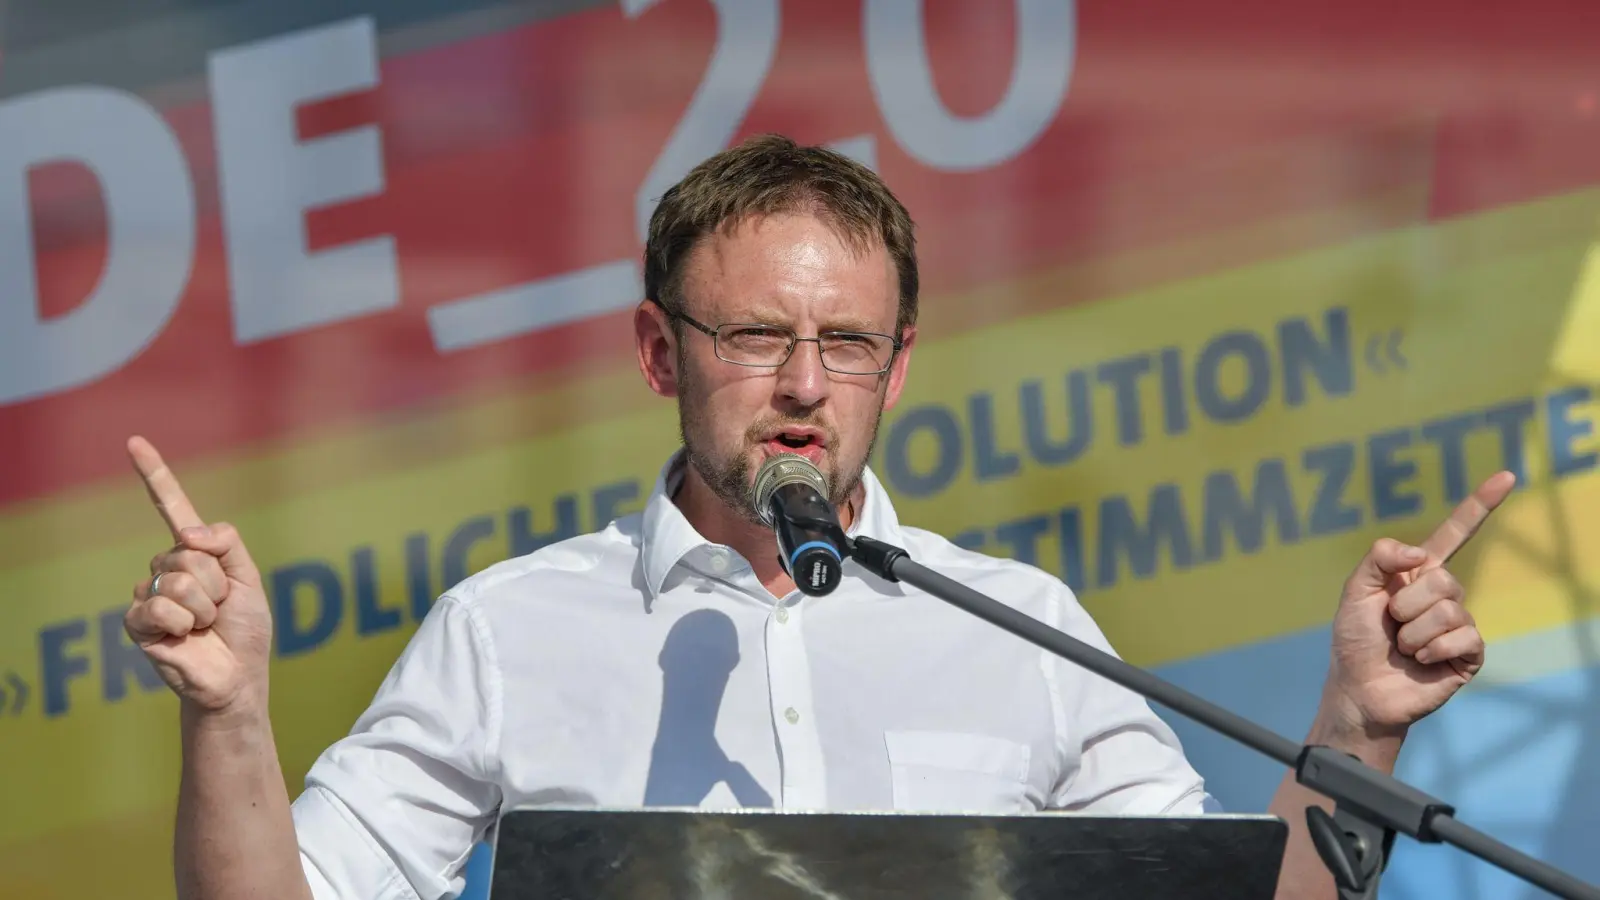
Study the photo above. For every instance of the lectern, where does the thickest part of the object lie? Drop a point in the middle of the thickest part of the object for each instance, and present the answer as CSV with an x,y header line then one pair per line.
x,y
691,854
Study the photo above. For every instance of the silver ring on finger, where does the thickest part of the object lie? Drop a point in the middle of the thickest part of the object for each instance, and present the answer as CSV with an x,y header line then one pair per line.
x,y
155,583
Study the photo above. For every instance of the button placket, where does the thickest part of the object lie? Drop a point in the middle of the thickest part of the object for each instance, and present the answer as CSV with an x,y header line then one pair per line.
x,y
789,679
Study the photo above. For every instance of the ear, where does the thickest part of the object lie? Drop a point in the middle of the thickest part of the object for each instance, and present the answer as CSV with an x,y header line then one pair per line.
x,y
898,369
657,347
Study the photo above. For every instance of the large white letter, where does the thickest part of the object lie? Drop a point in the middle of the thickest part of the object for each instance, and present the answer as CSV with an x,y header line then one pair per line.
x,y
747,40
902,80
150,224
269,180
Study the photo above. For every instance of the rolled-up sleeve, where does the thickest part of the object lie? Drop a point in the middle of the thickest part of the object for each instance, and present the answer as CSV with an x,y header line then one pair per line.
x,y
393,809
1126,760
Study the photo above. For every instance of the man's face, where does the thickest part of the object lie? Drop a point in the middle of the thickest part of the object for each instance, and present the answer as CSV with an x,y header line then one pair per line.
x,y
794,271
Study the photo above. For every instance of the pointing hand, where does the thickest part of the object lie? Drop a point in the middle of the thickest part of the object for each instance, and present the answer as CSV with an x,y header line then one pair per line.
x,y
1403,640
202,617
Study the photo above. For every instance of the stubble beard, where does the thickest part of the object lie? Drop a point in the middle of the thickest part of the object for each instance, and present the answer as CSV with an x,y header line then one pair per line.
x,y
730,478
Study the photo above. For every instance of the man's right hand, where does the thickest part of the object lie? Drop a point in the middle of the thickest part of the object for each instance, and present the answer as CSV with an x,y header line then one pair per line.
x,y
202,617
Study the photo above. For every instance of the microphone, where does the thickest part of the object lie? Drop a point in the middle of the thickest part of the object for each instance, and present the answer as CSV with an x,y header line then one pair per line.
x,y
790,496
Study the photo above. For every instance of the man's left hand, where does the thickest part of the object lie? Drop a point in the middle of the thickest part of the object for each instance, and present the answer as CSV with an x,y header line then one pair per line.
x,y
1403,641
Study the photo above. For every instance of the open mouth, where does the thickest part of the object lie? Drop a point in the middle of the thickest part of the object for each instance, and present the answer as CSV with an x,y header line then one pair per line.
x,y
805,442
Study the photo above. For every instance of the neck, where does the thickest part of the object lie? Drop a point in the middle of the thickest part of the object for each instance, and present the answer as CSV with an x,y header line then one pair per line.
x,y
719,524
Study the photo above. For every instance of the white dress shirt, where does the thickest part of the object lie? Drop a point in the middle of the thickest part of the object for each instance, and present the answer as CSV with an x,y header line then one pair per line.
x,y
642,665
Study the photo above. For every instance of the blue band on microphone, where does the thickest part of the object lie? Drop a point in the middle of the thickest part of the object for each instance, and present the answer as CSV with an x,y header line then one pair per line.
x,y
809,544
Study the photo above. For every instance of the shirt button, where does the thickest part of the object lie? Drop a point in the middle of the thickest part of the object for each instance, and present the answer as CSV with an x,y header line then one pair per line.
x,y
791,715
719,561
783,614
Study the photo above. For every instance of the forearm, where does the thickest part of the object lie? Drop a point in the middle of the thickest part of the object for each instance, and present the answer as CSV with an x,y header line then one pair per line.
x,y
234,837
1304,876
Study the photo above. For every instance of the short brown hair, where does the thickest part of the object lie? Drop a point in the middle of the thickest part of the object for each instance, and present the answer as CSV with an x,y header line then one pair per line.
x,y
773,174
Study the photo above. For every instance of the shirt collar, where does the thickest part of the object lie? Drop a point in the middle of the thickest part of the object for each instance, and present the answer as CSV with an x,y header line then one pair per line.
x,y
666,536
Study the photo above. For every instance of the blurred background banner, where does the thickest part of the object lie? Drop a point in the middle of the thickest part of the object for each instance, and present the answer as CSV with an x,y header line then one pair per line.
x,y
1215,294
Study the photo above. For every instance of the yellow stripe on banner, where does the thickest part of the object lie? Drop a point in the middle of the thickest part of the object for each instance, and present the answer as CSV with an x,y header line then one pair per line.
x,y
1461,322
254,476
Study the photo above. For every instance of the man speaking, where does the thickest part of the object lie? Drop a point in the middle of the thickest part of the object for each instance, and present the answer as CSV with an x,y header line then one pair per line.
x,y
669,659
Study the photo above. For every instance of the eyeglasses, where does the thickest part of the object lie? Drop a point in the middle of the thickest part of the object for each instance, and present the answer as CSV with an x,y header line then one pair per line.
x,y
769,346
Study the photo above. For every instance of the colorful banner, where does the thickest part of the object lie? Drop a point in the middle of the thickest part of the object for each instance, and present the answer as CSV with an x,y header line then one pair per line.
x,y
1213,298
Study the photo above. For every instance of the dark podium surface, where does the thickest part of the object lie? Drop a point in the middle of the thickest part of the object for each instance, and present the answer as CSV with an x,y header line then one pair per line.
x,y
667,854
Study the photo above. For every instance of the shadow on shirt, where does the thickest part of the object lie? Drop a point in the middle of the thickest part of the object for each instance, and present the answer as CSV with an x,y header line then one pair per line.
x,y
686,762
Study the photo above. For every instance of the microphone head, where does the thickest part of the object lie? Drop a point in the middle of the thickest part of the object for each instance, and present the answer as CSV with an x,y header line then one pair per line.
x,y
780,470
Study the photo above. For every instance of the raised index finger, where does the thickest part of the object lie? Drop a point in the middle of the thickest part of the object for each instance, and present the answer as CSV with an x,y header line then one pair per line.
x,y
1464,521
165,492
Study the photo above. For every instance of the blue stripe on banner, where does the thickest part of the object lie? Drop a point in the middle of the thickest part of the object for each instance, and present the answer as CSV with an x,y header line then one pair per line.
x,y
1518,760
478,869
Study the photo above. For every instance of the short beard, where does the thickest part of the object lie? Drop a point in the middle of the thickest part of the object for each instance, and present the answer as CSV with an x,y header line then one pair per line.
x,y
731,479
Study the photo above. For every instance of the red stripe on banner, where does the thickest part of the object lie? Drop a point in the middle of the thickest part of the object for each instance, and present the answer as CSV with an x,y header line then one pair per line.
x,y
516,156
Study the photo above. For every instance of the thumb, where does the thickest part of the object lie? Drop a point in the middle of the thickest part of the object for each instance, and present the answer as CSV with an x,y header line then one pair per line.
x,y
223,541
1387,558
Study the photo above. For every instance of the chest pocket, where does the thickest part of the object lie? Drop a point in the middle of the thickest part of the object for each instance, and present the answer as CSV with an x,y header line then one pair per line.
x,y
947,771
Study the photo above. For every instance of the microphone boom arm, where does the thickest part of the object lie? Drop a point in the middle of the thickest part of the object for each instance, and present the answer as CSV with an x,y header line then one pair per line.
x,y
1369,806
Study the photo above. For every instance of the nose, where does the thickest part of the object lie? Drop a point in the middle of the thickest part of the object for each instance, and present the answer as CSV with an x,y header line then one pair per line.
x,y
802,381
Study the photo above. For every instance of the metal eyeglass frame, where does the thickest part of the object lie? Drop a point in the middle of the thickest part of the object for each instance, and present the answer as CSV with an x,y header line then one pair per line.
x,y
795,339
